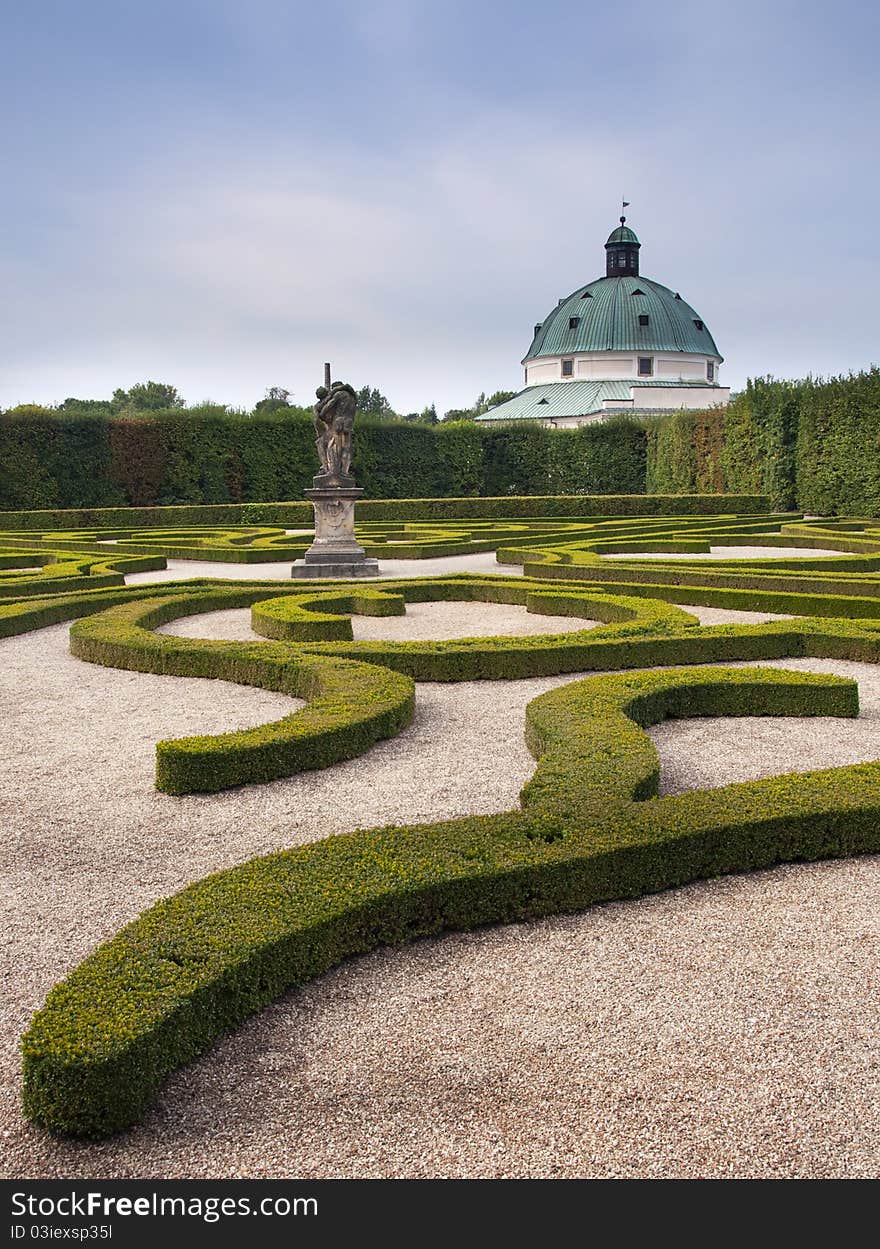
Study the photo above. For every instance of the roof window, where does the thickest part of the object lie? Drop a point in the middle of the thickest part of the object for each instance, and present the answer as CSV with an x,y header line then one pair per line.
x,y
637,291
677,296
537,327
643,318
543,401
698,324
573,322
586,295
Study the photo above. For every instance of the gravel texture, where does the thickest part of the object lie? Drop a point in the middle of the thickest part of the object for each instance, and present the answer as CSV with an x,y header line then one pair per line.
x,y
728,552
422,622
728,1028
181,569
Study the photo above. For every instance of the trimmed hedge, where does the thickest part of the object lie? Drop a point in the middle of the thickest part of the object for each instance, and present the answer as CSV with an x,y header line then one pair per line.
x,y
812,444
299,514
781,602
50,460
351,705
191,968
318,617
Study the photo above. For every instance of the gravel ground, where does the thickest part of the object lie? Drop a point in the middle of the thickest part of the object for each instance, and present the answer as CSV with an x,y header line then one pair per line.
x,y
181,569
729,552
722,1029
422,622
484,564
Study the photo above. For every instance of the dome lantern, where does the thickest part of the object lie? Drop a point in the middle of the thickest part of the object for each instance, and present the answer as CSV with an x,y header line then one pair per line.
x,y
622,252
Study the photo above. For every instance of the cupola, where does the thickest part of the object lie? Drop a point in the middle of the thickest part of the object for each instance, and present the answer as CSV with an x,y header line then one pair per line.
x,y
622,252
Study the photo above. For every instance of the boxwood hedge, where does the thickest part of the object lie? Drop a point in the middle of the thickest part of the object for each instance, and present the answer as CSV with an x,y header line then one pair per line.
x,y
187,971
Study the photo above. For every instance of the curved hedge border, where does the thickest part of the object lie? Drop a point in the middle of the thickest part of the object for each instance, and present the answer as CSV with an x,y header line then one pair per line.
x,y
187,971
590,829
317,617
351,705
361,692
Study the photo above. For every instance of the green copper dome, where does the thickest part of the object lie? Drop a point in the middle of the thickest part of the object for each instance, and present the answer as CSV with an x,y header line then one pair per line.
x,y
623,234
609,315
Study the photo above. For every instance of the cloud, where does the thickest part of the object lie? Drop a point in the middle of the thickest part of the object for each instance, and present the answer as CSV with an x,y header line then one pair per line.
x,y
410,217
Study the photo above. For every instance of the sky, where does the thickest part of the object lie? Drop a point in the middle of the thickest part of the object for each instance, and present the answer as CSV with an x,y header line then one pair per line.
x,y
223,194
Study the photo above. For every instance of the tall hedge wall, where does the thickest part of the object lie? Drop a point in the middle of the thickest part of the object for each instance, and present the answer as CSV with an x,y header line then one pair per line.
x,y
811,445
52,461
808,445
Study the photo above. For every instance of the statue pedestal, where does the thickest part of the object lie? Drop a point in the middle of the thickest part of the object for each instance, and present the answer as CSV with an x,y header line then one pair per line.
x,y
335,551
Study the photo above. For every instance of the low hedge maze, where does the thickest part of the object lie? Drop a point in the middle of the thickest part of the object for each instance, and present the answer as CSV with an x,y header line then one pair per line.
x,y
590,827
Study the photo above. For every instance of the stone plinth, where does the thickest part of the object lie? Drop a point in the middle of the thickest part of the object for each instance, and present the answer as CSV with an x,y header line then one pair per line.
x,y
335,551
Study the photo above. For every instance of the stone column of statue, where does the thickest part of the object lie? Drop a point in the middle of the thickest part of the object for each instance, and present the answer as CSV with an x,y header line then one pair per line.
x,y
335,551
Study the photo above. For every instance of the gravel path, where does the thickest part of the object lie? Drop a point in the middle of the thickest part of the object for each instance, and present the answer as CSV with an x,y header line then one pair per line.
x,y
721,1029
483,565
422,622
730,552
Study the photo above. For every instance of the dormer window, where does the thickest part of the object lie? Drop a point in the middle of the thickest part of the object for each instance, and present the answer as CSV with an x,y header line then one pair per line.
x,y
646,366
568,368
573,322
698,324
586,295
643,319
537,327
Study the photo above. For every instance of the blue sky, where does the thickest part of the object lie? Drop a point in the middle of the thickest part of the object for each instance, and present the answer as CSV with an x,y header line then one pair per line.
x,y
223,195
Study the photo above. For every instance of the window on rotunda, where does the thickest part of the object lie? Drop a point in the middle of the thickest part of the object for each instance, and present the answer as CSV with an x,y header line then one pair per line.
x,y
568,368
710,371
646,366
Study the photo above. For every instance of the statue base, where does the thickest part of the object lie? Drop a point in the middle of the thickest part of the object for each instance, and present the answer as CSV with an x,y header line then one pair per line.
x,y
334,572
335,552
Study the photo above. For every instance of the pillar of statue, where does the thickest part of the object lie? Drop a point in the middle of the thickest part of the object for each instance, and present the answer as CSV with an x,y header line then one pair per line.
x,y
335,551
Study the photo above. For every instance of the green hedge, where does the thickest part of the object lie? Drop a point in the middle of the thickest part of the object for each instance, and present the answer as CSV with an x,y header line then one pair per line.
x,y
350,705
165,988
782,602
297,515
50,460
318,617
812,444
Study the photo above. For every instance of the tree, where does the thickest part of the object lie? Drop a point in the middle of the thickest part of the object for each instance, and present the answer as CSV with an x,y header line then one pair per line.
x,y
276,398
85,407
147,397
371,402
481,404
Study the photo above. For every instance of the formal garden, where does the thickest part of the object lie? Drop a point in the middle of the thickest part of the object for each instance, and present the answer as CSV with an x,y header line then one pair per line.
x,y
177,884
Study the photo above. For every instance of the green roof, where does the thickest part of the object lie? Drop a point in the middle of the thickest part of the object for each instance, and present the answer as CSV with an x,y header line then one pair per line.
x,y
604,316
623,234
579,398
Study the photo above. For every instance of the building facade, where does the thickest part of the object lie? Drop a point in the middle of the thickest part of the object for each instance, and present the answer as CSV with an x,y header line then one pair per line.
x,y
622,343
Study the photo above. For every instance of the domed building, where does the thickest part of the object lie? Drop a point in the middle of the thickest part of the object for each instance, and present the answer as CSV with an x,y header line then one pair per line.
x,y
623,343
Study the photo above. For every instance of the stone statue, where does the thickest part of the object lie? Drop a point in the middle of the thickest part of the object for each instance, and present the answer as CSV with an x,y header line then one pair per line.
x,y
334,421
335,552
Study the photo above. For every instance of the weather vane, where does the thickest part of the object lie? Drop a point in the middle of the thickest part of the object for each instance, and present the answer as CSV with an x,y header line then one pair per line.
x,y
624,205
